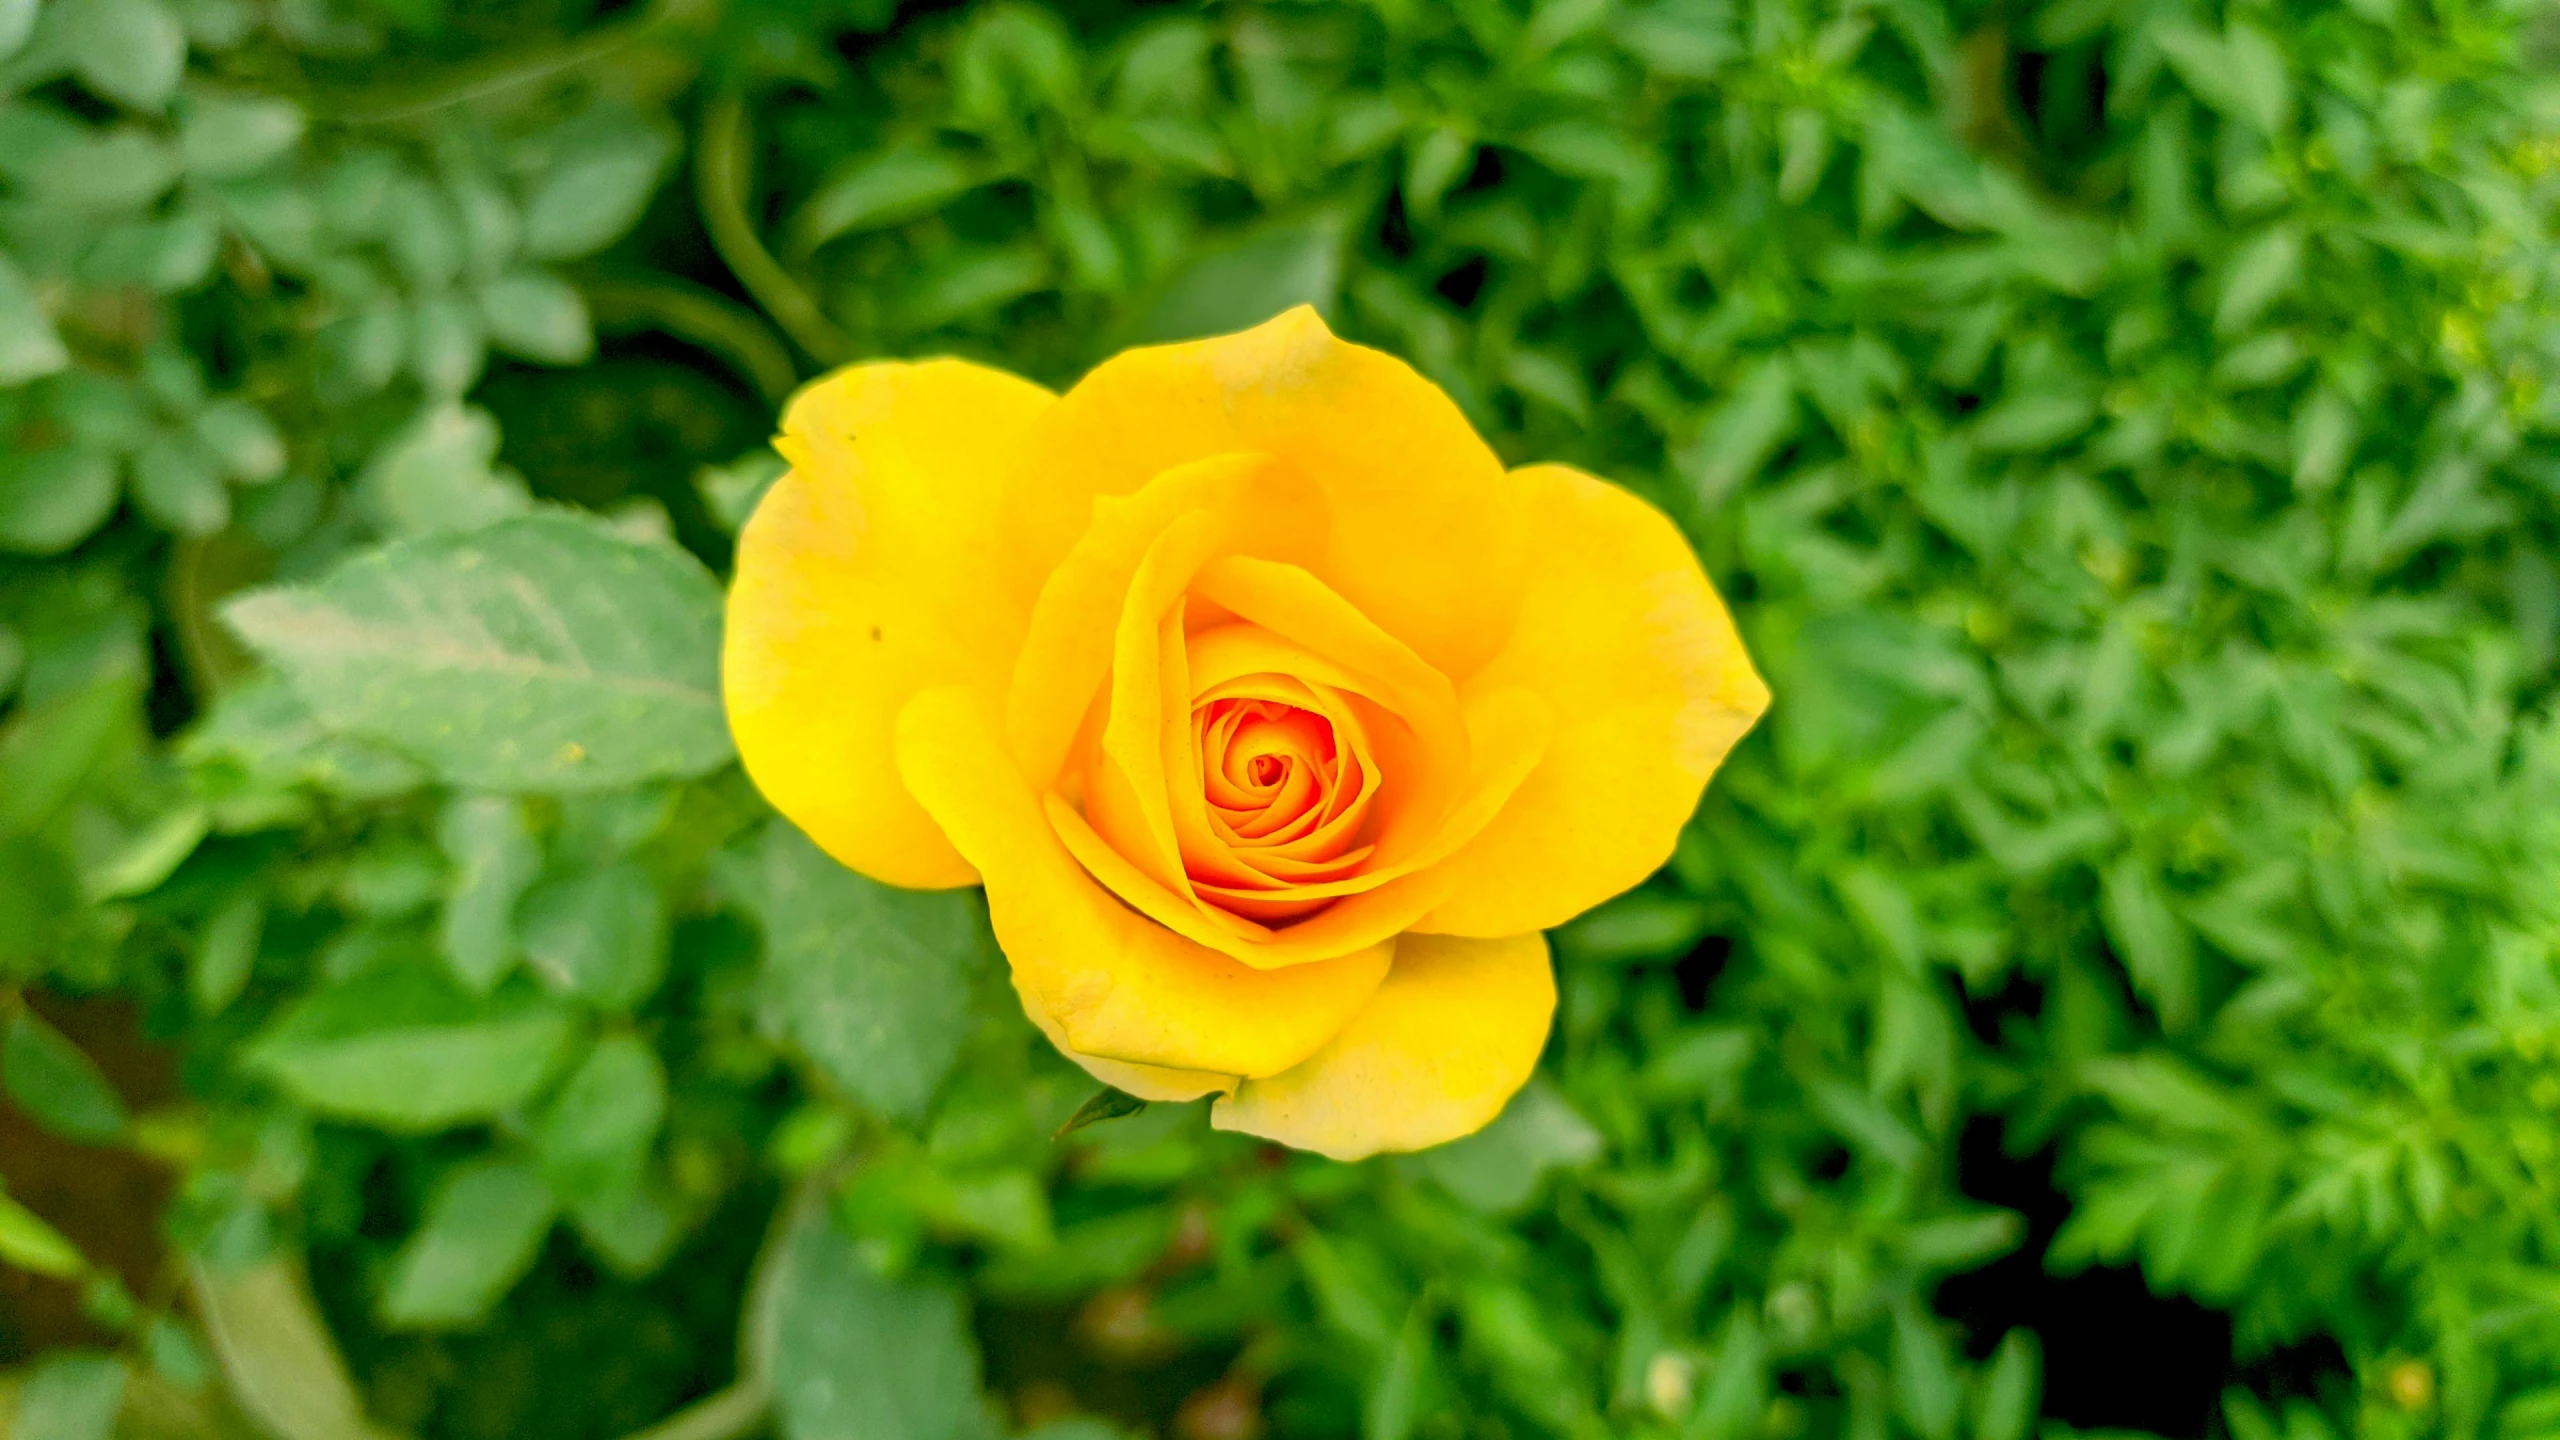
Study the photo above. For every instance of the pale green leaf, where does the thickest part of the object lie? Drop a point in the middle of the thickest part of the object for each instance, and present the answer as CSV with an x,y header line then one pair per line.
x,y
543,653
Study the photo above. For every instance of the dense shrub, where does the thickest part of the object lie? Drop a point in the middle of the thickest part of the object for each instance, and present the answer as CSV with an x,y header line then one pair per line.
x,y
2127,951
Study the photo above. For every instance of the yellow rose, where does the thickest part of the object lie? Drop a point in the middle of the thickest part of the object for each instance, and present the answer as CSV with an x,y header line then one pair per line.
x,y
1277,718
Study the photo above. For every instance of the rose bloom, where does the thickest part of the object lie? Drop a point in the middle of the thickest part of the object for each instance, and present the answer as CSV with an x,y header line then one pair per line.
x,y
1275,715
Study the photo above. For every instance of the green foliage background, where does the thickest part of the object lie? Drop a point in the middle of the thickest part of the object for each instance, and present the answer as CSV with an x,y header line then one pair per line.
x,y
2125,429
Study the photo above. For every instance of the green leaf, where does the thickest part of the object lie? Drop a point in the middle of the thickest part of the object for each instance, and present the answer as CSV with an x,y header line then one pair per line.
x,y
448,345
54,499
279,1362
1737,1390
2260,271
490,844
259,734
970,280
1105,1104
29,345
2022,424
1640,925
1239,286
162,256
539,316
177,482
223,136
1742,432
890,188
596,1137
149,855
64,163
861,1358
226,953
243,440
1924,1375
132,51
600,935
48,749
2005,1408
543,653
440,474
605,166
874,981
402,1047
1396,1392
69,1395
2240,73
633,1230
27,1242
17,22
483,1229
730,492
2159,953
1498,1169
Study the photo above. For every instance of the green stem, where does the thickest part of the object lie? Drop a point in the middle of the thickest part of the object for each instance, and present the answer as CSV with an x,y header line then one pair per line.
x,y
702,319
722,159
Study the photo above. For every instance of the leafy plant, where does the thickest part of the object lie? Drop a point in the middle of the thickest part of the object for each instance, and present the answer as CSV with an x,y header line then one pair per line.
x,y
2124,429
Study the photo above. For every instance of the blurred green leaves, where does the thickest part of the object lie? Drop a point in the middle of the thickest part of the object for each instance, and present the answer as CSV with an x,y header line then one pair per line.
x,y
2120,430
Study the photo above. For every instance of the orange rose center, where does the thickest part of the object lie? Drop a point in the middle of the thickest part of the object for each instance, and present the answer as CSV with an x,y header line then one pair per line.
x,y
1286,790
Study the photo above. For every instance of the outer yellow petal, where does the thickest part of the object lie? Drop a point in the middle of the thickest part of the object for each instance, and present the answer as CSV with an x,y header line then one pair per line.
x,y
1117,985
1622,634
1147,1082
868,574
1441,1047
1427,537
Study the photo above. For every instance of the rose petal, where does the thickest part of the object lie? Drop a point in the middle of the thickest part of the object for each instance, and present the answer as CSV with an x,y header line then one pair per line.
x,y
1395,458
866,576
1119,986
1247,502
1147,1082
1624,637
1442,1045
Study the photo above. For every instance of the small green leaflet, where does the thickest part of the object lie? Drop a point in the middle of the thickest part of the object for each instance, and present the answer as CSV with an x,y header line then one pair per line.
x,y
1106,1104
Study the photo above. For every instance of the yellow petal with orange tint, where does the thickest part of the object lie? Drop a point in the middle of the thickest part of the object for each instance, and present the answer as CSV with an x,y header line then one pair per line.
x,y
1621,633
1454,1031
1117,985
865,576
1244,500
1428,534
